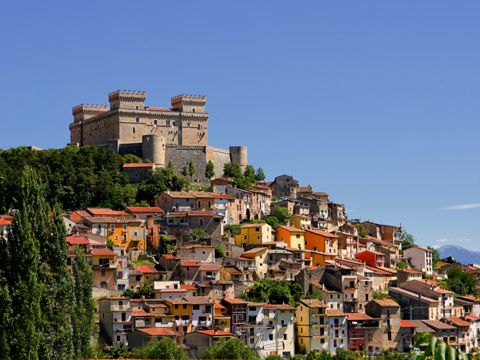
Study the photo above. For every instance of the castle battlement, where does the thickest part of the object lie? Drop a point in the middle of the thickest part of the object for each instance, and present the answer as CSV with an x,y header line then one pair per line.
x,y
178,134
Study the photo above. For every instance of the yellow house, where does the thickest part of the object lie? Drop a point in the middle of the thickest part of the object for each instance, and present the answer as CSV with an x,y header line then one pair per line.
x,y
293,237
312,325
128,232
322,246
254,234
261,260
303,222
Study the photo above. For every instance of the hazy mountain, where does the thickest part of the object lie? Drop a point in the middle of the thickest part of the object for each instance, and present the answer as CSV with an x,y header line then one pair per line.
x,y
460,254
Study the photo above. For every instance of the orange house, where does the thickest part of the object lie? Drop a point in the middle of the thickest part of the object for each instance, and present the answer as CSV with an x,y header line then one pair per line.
x,y
322,246
293,237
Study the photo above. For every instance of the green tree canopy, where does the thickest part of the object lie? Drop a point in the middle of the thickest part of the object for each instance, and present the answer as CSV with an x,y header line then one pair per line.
x,y
210,170
230,349
408,240
275,292
460,282
260,175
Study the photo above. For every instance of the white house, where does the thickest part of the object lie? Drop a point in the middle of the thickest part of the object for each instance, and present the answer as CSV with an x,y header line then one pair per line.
x,y
420,257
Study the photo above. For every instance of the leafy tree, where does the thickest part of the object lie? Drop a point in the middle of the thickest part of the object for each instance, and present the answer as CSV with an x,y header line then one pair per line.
x,y
232,170
131,159
278,217
232,229
378,295
318,355
195,235
260,175
249,174
119,351
230,349
407,240
167,244
435,255
210,170
163,349
83,306
219,251
184,171
275,292
362,232
460,282
402,264
191,169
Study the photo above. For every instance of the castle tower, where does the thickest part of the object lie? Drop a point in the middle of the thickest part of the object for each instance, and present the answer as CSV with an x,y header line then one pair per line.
x,y
189,103
238,155
127,99
153,148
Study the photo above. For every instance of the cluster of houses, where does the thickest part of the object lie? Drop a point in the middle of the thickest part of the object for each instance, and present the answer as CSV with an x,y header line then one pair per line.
x,y
356,295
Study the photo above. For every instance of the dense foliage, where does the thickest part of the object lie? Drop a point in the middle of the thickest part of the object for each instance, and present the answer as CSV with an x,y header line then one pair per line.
x,y
278,217
460,282
275,292
78,178
230,349
39,300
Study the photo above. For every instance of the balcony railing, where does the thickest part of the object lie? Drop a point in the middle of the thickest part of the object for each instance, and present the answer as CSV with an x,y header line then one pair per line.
x,y
120,307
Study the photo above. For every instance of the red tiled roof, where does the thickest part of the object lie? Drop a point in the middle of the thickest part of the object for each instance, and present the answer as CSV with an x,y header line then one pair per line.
x,y
158,331
215,333
358,317
472,317
138,165
78,240
387,303
146,269
187,287
322,233
234,301
102,252
189,263
144,209
4,222
210,267
458,322
278,307
406,324
140,312
410,271
438,325
106,212
291,229
442,291
169,257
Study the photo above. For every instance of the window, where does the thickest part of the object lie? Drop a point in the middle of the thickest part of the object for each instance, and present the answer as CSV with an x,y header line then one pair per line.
x,y
176,307
270,336
284,336
112,227
124,227
155,122
133,129
184,306
137,119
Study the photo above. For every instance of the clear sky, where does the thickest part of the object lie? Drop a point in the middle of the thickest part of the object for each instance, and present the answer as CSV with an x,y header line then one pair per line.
x,y
375,102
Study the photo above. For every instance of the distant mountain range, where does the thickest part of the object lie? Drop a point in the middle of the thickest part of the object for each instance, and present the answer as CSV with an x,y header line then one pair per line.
x,y
460,254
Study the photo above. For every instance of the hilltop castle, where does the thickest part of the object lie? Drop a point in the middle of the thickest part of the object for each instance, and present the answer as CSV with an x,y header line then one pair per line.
x,y
178,134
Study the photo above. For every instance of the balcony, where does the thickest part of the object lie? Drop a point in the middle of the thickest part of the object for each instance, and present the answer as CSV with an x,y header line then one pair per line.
x,y
317,325
120,307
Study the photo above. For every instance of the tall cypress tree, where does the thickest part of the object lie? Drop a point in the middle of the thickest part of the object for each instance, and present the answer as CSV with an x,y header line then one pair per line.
x,y
5,300
57,295
83,307
22,278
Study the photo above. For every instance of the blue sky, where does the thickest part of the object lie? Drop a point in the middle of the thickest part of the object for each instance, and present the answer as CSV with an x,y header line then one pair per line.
x,y
374,102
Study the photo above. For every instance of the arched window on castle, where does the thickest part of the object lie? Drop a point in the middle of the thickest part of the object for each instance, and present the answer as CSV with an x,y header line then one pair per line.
x,y
133,130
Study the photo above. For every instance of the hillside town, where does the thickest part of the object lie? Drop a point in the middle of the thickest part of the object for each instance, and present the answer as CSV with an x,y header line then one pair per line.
x,y
276,264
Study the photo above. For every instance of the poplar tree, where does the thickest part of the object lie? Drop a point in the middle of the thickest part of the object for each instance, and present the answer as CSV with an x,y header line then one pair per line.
x,y
83,307
57,293
22,275
5,300
210,170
